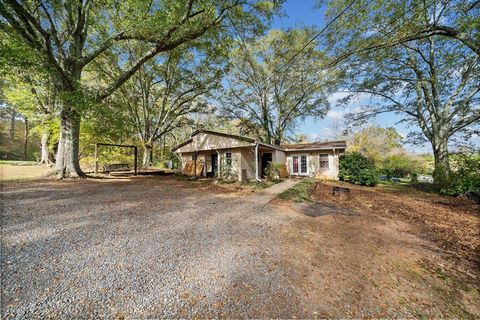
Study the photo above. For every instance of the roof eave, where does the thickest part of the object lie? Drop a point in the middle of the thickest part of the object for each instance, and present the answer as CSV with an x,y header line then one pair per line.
x,y
315,149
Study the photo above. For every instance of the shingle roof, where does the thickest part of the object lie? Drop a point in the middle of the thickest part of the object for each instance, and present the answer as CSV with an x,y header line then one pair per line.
x,y
284,147
315,145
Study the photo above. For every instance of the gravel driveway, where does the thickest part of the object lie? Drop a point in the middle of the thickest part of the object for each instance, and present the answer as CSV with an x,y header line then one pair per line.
x,y
148,247
161,248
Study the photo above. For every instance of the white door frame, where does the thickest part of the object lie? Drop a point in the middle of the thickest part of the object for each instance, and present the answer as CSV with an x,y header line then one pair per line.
x,y
299,156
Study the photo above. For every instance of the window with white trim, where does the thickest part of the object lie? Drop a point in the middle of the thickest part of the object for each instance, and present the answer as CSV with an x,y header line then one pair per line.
x,y
228,158
324,162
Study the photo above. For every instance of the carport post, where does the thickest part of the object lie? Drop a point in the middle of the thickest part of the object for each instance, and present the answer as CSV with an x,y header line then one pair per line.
x,y
135,164
195,165
96,158
256,162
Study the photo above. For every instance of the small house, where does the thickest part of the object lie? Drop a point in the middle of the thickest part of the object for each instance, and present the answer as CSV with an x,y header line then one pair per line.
x,y
205,152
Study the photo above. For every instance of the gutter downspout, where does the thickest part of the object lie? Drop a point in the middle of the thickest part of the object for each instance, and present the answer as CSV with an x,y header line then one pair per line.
x,y
219,158
256,162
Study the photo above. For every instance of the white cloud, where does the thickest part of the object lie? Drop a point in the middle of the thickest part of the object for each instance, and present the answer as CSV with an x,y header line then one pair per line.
x,y
335,114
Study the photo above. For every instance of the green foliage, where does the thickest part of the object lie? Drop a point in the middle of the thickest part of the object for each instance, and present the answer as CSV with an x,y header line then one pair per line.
x,y
226,172
376,142
401,165
273,170
357,169
400,56
300,192
72,39
464,177
15,56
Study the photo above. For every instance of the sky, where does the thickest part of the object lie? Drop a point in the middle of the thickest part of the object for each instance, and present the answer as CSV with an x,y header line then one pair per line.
x,y
301,13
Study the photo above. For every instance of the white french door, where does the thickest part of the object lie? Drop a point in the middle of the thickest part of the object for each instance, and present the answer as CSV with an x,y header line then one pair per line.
x,y
299,165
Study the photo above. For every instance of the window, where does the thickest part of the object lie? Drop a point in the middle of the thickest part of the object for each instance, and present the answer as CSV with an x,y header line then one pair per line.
x,y
228,158
324,163
194,157
303,164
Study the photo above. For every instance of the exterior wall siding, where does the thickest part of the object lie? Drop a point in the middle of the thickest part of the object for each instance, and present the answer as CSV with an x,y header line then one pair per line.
x,y
247,163
279,156
313,164
205,141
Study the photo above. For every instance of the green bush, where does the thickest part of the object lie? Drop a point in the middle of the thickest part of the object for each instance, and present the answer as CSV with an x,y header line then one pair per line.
x,y
357,169
272,170
226,172
401,165
464,178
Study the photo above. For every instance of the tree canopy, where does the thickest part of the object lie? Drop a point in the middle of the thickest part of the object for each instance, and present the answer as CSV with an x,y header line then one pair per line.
x,y
68,36
432,81
273,86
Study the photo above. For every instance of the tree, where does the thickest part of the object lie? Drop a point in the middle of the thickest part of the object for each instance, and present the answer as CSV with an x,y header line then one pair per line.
x,y
374,25
375,142
32,96
166,91
69,35
433,82
271,87
23,102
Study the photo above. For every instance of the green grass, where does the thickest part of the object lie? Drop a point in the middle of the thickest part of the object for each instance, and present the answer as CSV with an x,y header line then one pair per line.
x,y
258,185
300,192
17,163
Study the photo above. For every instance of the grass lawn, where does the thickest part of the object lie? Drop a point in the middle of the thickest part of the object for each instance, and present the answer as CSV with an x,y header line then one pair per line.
x,y
300,192
21,170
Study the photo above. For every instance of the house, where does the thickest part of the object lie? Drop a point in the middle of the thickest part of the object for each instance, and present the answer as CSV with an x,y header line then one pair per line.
x,y
207,151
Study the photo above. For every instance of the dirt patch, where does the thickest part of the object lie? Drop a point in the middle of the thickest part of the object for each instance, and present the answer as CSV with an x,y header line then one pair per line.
x,y
321,209
405,254
368,265
452,223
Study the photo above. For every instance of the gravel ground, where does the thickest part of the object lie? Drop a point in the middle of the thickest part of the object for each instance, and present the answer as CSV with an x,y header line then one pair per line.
x,y
152,247
157,247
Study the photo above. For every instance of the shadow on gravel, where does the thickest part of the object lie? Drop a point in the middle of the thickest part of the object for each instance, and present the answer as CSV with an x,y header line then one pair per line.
x,y
321,209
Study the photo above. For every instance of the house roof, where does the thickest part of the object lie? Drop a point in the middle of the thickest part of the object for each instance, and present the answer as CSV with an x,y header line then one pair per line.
x,y
315,145
285,147
233,136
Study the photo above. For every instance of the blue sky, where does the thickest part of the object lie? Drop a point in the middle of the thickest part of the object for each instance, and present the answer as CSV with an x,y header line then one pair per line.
x,y
300,13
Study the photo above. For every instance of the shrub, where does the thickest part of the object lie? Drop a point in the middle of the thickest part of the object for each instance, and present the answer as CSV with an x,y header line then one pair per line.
x,y
464,178
357,169
273,170
226,172
401,165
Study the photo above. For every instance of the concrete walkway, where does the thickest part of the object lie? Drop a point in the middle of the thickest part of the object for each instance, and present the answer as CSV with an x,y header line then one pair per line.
x,y
268,194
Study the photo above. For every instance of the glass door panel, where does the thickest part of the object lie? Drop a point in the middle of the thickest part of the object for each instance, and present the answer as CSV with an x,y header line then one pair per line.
x,y
295,165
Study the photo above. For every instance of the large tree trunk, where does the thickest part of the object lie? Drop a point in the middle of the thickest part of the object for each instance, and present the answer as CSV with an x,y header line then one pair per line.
x,y
44,152
441,162
67,161
25,140
12,126
147,156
